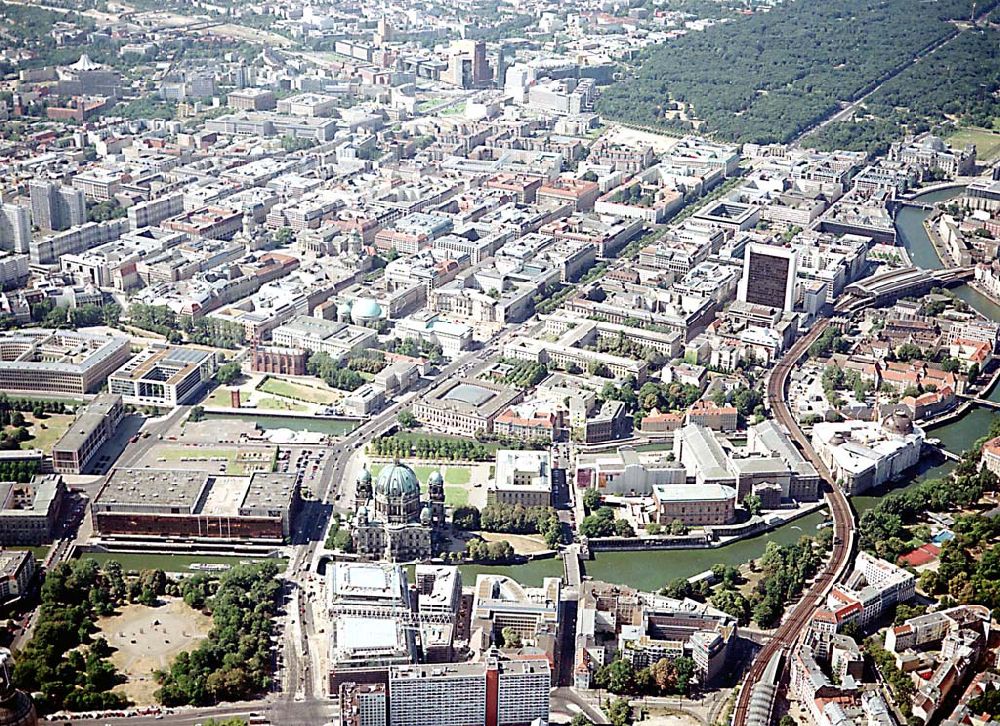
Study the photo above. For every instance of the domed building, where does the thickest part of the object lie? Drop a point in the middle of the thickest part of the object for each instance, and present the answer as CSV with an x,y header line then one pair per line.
x,y
16,707
391,521
344,312
365,311
898,423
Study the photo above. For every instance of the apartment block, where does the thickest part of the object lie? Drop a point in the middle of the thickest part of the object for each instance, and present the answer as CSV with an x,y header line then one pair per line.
x,y
55,208
15,228
499,692
30,512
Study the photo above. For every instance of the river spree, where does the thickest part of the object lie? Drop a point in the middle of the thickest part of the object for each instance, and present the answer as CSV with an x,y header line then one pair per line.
x,y
650,570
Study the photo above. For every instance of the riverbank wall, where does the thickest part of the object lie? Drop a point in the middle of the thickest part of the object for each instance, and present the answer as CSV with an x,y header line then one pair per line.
x,y
717,537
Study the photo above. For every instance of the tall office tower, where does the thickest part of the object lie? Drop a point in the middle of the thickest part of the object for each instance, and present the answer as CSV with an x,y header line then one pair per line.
x,y
55,208
468,66
15,228
501,69
769,276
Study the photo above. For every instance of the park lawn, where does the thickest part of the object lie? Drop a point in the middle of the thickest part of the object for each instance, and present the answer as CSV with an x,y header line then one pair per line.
x,y
219,398
418,434
56,424
457,110
459,475
987,142
40,552
523,544
299,391
662,446
456,496
428,103
197,455
279,404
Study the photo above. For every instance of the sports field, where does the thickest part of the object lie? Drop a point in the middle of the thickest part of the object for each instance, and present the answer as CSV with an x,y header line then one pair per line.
x,y
987,142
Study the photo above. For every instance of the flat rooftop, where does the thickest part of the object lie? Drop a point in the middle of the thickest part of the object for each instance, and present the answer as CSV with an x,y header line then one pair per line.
x,y
468,393
90,420
180,492
367,581
693,492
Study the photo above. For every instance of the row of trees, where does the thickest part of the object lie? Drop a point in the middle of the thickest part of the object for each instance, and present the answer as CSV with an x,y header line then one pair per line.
x,y
969,569
899,682
338,537
479,550
883,528
786,568
228,373
516,518
210,331
830,341
524,374
21,471
748,400
602,523
415,349
234,662
836,379
11,407
104,211
46,313
205,330
512,519
628,348
665,397
677,397
369,361
154,318
430,448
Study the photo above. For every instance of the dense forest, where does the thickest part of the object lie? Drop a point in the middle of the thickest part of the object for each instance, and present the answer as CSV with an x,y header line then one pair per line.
x,y
771,76
958,82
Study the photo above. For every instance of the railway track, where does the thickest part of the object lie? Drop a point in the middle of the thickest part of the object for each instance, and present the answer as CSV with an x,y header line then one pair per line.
x,y
843,523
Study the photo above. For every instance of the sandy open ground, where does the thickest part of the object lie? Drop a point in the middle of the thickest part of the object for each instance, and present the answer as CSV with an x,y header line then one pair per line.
x,y
147,639
635,138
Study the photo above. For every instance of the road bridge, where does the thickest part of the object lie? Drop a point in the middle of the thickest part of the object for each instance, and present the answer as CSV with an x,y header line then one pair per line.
x,y
987,403
572,570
